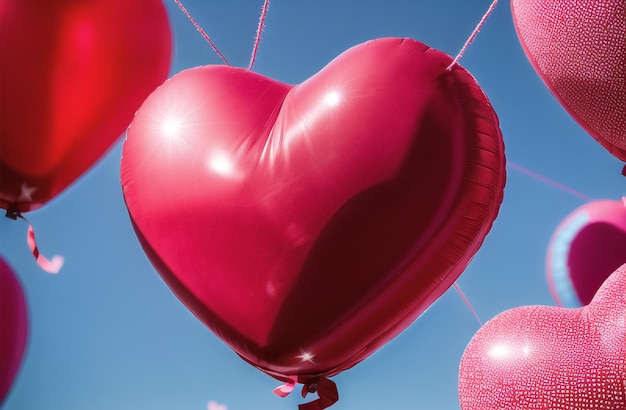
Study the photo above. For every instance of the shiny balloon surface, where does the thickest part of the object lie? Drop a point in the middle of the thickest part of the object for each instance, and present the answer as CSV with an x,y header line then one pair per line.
x,y
70,86
13,327
307,225
584,250
547,358
579,50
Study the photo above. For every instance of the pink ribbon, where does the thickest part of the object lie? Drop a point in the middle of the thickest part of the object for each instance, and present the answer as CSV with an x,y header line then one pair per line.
x,y
284,389
50,266
326,390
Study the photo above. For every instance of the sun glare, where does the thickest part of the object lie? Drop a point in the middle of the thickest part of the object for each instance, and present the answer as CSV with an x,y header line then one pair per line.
x,y
332,98
171,128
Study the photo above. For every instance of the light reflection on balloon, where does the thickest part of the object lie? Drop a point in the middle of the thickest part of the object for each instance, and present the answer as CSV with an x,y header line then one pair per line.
x,y
499,351
171,128
332,98
222,164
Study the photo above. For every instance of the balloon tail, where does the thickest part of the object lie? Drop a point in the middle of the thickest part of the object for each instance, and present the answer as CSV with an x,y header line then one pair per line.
x,y
201,31
467,302
259,31
51,266
473,35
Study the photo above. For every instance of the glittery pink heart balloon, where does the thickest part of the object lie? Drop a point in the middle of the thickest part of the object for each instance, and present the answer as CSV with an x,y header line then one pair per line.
x,y
545,357
579,50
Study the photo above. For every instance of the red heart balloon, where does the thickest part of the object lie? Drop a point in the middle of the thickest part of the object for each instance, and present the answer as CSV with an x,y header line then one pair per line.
x,y
579,50
73,74
545,357
308,225
13,327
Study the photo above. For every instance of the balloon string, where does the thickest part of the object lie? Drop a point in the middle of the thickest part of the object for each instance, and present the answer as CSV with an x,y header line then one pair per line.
x,y
467,302
51,266
473,35
549,181
259,31
204,34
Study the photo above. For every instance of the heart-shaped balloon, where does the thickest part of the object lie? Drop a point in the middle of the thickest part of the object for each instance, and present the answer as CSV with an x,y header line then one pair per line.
x,y
585,249
73,74
579,50
546,357
13,327
308,225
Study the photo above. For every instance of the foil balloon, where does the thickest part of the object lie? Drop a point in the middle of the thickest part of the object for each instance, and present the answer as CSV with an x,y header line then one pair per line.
x,y
309,224
73,74
13,327
547,357
579,50
585,249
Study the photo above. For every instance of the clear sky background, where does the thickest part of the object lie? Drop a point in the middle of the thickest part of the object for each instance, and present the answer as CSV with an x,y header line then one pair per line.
x,y
106,333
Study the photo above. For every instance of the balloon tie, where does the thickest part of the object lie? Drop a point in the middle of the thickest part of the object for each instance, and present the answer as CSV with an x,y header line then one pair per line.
x,y
325,388
51,266
473,35
259,31
201,31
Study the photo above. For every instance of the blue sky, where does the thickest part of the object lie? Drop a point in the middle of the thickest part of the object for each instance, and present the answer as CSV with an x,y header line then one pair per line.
x,y
106,333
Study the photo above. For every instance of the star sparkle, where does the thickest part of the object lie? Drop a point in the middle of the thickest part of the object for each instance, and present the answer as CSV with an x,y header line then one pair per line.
x,y
305,356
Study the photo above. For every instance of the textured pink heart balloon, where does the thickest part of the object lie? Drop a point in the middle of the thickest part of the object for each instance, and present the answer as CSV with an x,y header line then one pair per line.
x,y
579,50
308,225
545,357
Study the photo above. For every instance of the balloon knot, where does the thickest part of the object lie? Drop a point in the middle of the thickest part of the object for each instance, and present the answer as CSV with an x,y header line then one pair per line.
x,y
13,214
309,388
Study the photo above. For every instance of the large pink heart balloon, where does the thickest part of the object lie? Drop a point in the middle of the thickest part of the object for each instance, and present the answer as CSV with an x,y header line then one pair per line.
x,y
13,327
308,225
545,357
72,75
579,50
